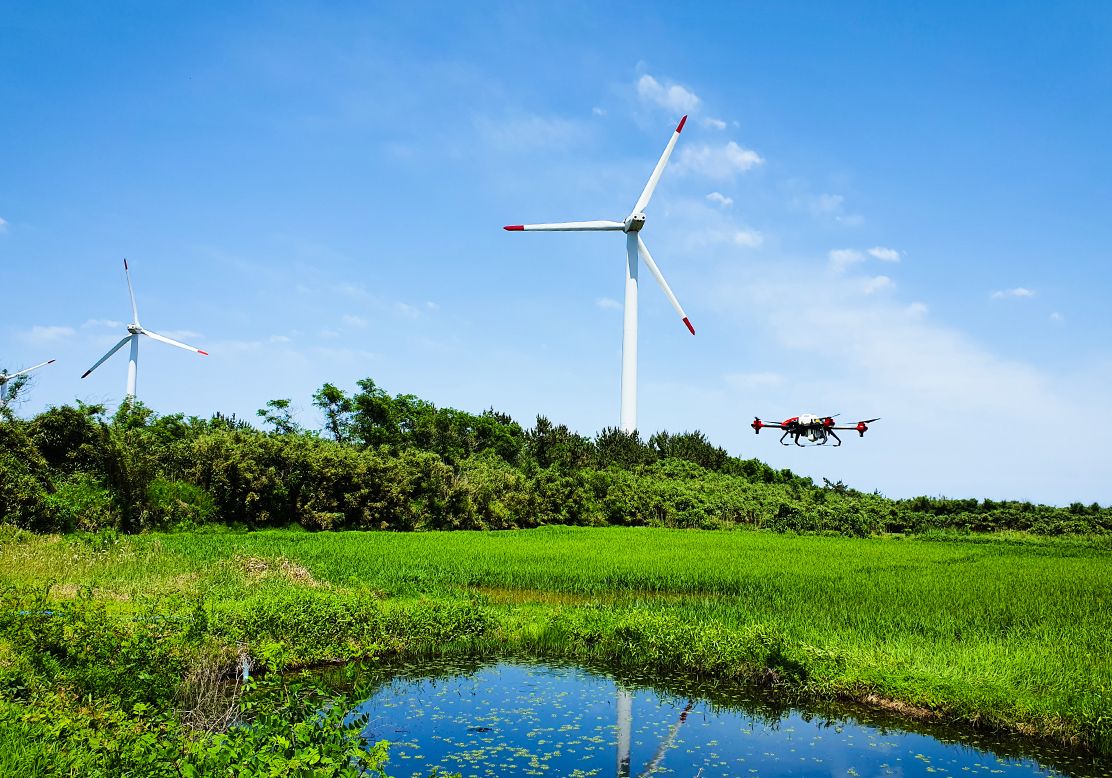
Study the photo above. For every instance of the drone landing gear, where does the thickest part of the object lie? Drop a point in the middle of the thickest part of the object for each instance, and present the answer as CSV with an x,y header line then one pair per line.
x,y
782,443
831,434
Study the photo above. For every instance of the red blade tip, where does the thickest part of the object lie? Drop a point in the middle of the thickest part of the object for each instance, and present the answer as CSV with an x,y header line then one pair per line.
x,y
680,127
202,353
514,227
688,321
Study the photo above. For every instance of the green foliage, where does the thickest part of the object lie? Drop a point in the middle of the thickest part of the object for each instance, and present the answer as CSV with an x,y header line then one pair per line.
x,y
179,504
397,462
24,480
81,502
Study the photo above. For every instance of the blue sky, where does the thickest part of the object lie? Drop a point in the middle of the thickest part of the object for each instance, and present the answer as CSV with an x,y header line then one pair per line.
x,y
873,210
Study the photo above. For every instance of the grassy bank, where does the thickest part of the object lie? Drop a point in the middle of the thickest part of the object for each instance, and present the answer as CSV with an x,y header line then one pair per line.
x,y
1009,632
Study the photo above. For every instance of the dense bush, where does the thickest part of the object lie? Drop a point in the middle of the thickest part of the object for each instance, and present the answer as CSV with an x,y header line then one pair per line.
x,y
401,463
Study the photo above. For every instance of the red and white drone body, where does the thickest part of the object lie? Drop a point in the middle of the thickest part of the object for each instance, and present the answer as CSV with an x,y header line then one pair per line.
x,y
816,429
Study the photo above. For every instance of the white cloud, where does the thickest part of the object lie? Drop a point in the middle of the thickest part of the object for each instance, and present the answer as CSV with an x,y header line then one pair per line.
x,y
598,111
840,259
1019,292
280,339
351,320
748,238
877,284
185,335
720,199
673,97
719,162
525,133
881,356
407,310
826,206
884,254
1057,317
432,306
829,203
41,333
714,124
3,226
608,304
107,323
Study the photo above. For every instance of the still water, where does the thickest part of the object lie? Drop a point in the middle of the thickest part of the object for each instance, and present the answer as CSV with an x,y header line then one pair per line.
x,y
520,718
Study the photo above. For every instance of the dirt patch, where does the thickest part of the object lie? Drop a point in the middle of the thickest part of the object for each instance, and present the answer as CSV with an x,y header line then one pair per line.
x,y
257,568
897,706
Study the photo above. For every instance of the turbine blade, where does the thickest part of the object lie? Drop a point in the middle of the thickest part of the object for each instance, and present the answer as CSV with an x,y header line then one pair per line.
x,y
647,193
112,351
567,226
29,369
643,250
130,291
172,342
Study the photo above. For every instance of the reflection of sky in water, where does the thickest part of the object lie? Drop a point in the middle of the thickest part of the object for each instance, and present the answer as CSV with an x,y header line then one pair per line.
x,y
516,719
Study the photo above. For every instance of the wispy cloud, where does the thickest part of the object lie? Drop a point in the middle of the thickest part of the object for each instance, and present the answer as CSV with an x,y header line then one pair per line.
x,y
720,199
1018,293
525,133
884,254
99,323
877,284
185,335
44,333
825,206
1057,317
408,311
747,238
3,226
840,259
714,124
608,304
719,162
671,96
597,111
351,320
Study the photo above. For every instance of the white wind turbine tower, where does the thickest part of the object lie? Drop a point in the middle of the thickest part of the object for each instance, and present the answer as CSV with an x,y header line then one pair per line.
x,y
634,247
6,377
134,331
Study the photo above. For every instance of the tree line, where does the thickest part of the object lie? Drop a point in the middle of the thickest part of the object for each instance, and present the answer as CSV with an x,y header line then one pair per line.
x,y
398,462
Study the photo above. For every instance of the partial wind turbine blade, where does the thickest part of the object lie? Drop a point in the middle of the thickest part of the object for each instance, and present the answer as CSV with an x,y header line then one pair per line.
x,y
594,226
643,250
130,291
173,342
647,194
29,369
100,361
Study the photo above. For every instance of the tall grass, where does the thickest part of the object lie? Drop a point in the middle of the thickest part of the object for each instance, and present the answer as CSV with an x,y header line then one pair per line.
x,y
1010,630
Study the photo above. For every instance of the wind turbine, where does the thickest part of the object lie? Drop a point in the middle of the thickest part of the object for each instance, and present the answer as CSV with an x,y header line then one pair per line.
x,y
635,247
625,732
6,377
134,331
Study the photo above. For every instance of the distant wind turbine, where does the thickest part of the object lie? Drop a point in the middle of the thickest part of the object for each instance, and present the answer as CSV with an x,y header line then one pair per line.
x,y
634,246
6,377
134,331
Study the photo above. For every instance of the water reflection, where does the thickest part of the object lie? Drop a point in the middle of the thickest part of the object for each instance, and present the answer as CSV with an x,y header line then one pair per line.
x,y
526,718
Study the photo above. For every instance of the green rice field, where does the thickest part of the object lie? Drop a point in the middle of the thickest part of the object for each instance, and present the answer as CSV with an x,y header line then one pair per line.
x,y
1010,632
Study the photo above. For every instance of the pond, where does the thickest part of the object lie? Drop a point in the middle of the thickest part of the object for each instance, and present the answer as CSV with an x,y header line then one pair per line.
x,y
522,718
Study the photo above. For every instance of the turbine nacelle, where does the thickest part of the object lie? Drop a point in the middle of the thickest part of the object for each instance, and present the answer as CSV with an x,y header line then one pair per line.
x,y
135,329
634,223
